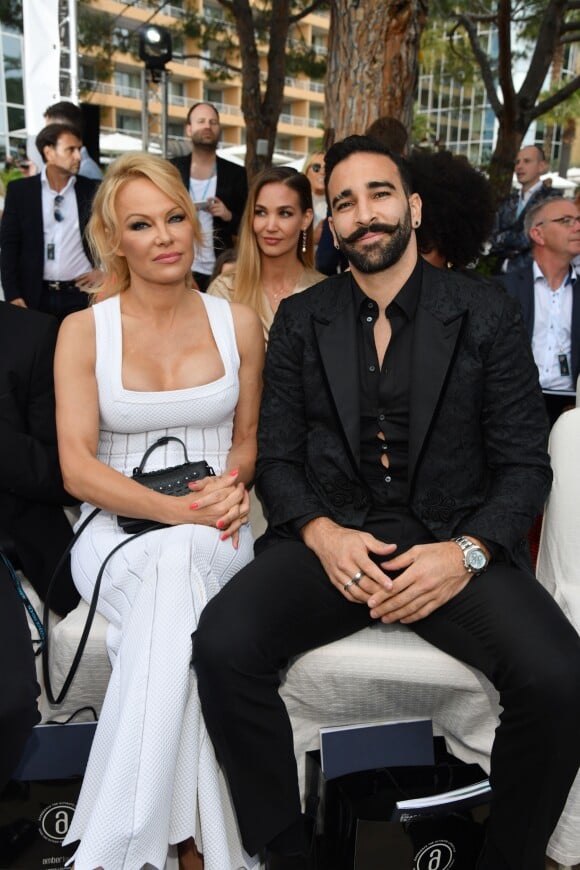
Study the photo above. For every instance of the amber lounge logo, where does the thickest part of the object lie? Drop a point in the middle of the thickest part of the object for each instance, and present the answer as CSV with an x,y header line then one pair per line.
x,y
55,820
438,855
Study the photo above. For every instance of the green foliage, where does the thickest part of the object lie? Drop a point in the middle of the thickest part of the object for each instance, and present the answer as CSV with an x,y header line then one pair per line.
x,y
303,59
101,36
446,48
96,35
442,51
8,175
560,114
217,38
421,132
11,14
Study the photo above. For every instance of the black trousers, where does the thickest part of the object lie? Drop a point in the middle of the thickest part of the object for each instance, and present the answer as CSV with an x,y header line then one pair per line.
x,y
503,623
555,405
18,687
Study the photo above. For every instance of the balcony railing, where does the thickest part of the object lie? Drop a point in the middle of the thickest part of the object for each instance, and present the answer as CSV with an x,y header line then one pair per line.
x,y
317,49
171,11
305,84
132,93
299,121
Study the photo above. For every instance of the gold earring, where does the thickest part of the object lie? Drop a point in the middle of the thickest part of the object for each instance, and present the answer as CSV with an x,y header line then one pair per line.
x,y
304,240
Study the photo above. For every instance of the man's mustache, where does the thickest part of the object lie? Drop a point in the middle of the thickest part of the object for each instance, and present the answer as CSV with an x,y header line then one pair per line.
x,y
371,228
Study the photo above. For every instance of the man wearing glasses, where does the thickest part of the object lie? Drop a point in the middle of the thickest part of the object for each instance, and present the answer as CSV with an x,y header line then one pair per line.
x,y
549,293
46,263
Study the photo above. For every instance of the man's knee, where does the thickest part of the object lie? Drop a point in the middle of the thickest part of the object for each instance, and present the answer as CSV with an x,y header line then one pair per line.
x,y
554,687
224,639
561,685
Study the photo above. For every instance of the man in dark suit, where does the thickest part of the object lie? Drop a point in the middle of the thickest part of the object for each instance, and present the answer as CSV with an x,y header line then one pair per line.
x,y
548,291
33,528
46,263
509,241
218,187
402,458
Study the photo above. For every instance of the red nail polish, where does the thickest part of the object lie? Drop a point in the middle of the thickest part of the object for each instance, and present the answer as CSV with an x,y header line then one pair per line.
x,y
220,524
224,537
193,506
234,472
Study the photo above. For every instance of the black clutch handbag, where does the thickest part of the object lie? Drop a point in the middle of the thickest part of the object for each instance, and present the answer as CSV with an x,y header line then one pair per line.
x,y
169,481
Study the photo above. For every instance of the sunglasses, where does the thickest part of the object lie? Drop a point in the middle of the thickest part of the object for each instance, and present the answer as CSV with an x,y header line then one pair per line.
x,y
58,201
316,167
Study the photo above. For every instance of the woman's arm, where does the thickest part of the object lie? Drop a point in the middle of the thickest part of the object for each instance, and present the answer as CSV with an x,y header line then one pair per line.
x,y
241,460
250,341
77,413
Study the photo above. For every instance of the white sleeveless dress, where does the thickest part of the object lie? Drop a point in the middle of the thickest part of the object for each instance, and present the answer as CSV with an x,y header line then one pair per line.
x,y
152,777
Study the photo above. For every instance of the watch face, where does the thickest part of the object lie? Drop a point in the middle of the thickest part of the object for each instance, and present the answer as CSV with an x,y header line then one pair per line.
x,y
476,560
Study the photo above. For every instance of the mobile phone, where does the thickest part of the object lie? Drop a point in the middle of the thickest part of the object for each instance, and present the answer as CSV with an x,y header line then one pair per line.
x,y
203,205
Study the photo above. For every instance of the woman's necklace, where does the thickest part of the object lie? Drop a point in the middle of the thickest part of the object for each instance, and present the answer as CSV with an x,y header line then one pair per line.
x,y
276,296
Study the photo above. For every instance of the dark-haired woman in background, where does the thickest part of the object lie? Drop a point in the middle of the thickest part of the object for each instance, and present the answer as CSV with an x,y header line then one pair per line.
x,y
458,210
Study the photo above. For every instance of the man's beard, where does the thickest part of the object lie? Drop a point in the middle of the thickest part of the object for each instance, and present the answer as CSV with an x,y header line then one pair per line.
x,y
379,255
200,140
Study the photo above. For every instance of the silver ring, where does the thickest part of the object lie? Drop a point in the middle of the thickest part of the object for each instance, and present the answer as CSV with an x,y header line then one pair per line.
x,y
354,581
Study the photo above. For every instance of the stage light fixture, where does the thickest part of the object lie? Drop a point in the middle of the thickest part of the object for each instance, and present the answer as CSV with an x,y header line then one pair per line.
x,y
155,48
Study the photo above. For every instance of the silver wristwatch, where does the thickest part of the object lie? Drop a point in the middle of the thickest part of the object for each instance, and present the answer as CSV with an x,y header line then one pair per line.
x,y
474,558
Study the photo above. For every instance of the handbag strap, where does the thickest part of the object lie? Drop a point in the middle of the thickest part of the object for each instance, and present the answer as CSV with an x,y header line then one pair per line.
x,y
160,443
95,597
46,614
27,603
90,617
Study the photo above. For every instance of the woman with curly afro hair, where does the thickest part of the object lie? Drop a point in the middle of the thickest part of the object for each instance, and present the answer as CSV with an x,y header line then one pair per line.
x,y
458,208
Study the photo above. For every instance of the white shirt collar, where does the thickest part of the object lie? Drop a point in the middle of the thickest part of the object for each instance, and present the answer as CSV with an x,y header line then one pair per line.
x,y
572,274
46,183
524,197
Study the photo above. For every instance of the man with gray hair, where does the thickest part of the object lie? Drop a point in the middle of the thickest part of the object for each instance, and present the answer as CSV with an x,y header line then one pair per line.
x,y
548,291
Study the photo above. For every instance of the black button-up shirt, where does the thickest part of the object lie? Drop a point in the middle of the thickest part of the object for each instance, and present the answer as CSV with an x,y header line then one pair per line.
x,y
384,394
384,415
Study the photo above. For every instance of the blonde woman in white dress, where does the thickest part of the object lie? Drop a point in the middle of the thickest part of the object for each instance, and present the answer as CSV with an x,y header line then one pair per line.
x,y
155,358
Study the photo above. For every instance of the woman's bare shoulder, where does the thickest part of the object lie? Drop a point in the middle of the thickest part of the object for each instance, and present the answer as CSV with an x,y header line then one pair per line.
x,y
244,316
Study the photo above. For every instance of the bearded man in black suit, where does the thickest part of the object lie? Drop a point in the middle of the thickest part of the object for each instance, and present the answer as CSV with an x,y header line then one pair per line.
x,y
402,458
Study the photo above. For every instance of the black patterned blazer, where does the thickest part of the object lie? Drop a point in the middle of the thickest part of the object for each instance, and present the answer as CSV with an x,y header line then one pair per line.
x,y
477,428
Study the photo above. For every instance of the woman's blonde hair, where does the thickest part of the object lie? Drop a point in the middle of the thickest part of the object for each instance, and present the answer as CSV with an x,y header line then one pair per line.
x,y
248,275
104,230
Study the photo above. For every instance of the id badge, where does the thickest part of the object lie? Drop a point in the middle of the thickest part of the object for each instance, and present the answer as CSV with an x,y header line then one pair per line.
x,y
50,252
564,367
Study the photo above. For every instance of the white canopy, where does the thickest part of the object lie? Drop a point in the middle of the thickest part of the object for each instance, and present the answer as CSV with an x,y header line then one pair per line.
x,y
119,143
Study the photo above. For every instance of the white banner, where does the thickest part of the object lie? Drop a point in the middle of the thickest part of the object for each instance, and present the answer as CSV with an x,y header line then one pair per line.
x,y
41,60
